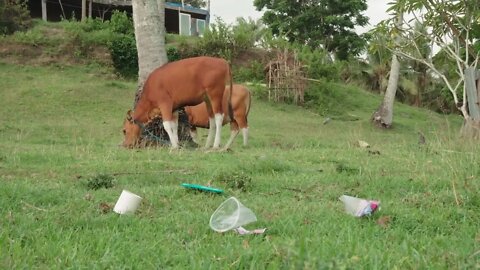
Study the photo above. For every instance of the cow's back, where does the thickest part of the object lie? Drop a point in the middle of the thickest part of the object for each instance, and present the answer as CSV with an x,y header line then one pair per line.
x,y
185,80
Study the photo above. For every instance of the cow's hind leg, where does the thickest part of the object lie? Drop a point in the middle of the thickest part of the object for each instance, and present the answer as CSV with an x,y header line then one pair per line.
x,y
193,134
245,136
233,134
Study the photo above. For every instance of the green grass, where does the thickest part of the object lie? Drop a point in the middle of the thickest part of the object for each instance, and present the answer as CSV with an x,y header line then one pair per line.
x,y
60,127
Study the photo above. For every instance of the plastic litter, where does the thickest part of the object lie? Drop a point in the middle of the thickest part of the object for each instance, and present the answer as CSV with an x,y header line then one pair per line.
x,y
359,207
232,215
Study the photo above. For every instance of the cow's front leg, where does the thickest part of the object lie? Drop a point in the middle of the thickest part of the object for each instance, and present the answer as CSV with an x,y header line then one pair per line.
x,y
218,134
170,128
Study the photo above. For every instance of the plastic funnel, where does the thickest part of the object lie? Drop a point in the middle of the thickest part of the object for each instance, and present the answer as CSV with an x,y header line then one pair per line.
x,y
231,214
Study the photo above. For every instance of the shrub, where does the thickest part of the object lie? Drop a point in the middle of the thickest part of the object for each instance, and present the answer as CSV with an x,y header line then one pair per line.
x,y
325,98
318,64
253,72
235,180
217,41
123,51
173,54
100,181
120,23
245,34
14,16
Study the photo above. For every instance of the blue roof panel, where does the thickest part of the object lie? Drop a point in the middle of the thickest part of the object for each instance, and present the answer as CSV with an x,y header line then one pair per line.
x,y
186,8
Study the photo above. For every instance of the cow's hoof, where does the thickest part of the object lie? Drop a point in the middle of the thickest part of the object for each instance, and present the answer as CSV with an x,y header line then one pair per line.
x,y
174,149
213,150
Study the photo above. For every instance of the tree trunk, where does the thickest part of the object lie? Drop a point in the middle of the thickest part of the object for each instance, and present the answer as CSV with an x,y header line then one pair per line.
x,y
383,117
148,19
149,23
44,10
84,10
470,129
90,6
471,124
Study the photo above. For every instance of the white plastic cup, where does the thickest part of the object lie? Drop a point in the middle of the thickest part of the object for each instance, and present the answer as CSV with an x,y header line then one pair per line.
x,y
230,215
127,203
354,206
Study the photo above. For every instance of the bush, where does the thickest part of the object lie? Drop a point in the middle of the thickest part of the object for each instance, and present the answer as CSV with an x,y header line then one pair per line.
x,y
100,181
120,23
254,72
173,54
14,16
217,41
245,34
325,98
318,64
123,51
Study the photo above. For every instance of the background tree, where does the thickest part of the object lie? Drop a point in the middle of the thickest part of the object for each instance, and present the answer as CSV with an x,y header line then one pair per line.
x,y
14,16
318,23
454,27
383,117
379,57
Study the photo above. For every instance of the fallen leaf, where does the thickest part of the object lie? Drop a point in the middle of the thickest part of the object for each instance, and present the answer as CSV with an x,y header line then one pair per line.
x,y
10,216
384,221
88,197
363,144
105,207
246,244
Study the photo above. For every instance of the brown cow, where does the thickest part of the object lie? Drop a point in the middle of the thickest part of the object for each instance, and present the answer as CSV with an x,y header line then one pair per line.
x,y
187,82
241,100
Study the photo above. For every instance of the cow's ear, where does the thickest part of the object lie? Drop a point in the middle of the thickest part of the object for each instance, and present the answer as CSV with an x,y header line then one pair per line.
x,y
130,116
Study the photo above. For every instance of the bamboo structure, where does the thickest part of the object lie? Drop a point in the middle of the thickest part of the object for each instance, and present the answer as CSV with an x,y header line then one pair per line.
x,y
286,78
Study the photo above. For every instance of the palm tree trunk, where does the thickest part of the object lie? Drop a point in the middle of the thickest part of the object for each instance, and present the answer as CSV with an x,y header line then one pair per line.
x,y
383,117
148,19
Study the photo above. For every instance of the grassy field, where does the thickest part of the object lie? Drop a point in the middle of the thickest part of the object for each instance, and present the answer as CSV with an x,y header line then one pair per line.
x,y
60,129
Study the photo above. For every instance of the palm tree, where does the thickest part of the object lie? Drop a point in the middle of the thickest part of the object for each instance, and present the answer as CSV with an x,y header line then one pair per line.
x,y
383,117
379,58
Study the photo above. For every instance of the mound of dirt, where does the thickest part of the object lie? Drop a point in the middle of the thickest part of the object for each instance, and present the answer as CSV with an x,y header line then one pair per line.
x,y
56,48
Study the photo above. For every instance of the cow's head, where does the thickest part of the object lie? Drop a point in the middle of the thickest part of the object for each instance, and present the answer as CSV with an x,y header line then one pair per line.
x,y
131,131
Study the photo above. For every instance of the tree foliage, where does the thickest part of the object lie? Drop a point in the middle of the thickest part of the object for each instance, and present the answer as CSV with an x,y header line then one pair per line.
x,y
454,27
329,24
14,16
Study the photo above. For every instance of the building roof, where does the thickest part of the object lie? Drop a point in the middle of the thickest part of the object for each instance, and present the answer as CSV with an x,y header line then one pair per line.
x,y
187,8
168,5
